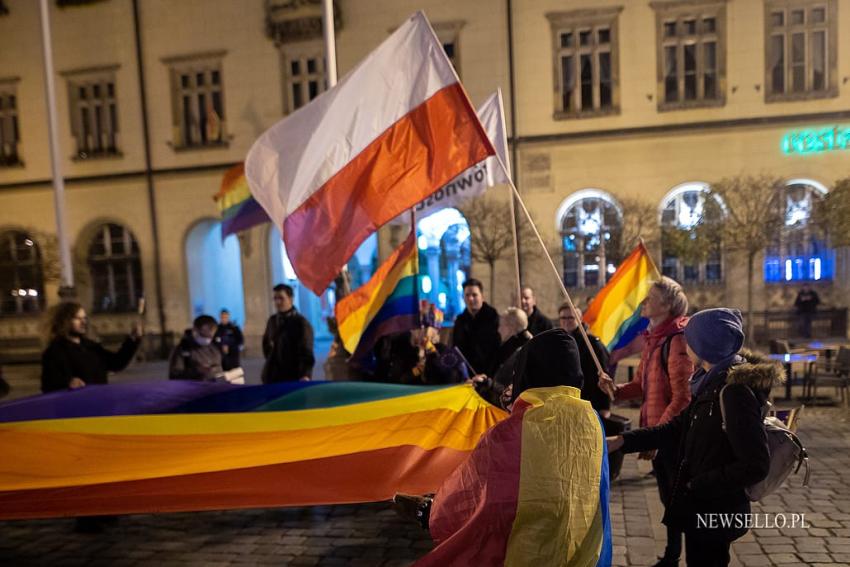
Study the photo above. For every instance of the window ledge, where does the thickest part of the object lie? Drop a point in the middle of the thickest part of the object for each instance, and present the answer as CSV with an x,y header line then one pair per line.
x,y
561,115
97,156
200,147
691,105
14,165
802,97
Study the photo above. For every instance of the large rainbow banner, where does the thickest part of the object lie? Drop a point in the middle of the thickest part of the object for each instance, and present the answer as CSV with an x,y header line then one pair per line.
x,y
614,315
181,446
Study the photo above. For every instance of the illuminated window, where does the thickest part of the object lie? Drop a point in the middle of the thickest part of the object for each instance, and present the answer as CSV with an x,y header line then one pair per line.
x,y
591,227
691,54
799,252
801,49
586,64
116,269
686,218
443,239
21,278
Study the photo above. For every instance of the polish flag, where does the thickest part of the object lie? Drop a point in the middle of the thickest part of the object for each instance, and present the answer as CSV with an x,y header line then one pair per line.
x,y
391,132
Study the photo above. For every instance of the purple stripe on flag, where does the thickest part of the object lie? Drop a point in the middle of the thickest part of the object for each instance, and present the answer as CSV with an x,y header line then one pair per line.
x,y
247,214
392,325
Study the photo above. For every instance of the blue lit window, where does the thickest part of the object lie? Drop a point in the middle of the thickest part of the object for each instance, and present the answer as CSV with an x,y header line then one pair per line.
x,y
445,259
590,222
685,209
799,252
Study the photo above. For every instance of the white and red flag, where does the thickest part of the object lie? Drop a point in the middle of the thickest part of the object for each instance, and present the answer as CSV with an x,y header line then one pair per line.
x,y
395,129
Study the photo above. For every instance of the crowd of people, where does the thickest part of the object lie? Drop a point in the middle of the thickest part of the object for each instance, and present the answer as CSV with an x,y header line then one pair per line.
x,y
702,463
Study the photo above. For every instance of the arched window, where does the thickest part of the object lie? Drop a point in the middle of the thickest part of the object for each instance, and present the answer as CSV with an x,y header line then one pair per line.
x,y
690,249
443,239
21,277
799,251
590,222
116,269
214,268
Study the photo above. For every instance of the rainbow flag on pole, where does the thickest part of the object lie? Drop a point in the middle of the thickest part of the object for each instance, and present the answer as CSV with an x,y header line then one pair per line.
x,y
614,314
239,210
174,445
387,303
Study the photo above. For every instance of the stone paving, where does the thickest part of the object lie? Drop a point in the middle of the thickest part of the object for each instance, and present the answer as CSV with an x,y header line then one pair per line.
x,y
372,535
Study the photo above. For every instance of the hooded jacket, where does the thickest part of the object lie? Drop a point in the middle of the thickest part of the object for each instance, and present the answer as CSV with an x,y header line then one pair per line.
x,y
715,466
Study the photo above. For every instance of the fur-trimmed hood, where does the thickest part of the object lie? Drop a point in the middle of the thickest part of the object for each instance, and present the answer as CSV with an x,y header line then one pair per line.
x,y
758,372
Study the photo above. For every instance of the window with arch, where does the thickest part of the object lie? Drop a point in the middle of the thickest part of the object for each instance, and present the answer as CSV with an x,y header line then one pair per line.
x,y
116,269
591,227
21,276
690,245
799,252
443,239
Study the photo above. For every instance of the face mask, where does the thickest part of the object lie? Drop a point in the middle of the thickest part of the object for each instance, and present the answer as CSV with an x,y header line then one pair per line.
x,y
202,341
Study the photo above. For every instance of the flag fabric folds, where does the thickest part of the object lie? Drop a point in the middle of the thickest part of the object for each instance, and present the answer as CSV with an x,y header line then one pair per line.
x,y
614,315
477,179
391,132
388,303
535,490
285,445
239,210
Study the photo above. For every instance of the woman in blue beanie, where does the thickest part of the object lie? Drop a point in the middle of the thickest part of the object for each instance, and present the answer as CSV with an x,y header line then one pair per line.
x,y
715,466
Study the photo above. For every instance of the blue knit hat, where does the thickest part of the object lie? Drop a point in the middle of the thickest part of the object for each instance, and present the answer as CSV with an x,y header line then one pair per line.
x,y
715,334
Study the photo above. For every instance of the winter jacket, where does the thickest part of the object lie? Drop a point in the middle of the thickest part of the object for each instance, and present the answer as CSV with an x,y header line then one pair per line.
x,y
590,391
230,336
288,348
477,337
538,322
191,361
87,360
715,466
664,390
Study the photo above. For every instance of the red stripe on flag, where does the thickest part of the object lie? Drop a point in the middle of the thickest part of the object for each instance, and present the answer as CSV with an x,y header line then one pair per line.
x,y
413,158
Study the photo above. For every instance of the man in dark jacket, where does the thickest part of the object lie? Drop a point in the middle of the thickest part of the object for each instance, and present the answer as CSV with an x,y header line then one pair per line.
x,y
806,305
600,401
714,465
476,331
196,356
537,321
287,342
229,339
72,360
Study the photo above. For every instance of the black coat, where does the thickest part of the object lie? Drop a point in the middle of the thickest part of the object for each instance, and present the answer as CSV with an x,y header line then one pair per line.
x,y
477,337
229,335
288,348
590,391
538,322
715,466
88,360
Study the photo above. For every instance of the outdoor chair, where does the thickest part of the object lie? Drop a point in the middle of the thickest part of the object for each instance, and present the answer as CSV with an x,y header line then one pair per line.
x,y
833,373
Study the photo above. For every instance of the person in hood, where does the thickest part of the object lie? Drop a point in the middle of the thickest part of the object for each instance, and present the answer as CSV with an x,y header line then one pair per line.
x,y
196,356
714,465
72,360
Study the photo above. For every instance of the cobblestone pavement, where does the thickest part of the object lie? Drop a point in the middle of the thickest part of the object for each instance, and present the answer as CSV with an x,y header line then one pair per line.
x,y
372,535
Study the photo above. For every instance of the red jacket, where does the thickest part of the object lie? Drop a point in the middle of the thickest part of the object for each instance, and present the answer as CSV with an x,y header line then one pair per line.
x,y
665,394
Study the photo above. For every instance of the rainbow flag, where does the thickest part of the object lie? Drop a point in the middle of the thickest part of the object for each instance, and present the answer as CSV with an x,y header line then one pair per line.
x,y
614,314
180,446
387,303
535,490
239,210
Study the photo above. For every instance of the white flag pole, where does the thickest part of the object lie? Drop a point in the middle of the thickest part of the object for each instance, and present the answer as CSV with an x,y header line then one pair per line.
x,y
55,156
507,166
330,41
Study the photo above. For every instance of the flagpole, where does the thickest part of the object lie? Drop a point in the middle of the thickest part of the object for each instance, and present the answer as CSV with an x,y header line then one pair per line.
x,y
507,166
330,41
55,156
555,271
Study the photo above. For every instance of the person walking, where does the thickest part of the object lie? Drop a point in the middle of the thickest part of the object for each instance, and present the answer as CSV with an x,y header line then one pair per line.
x,y
72,360
717,456
229,338
476,330
196,356
287,341
537,321
806,305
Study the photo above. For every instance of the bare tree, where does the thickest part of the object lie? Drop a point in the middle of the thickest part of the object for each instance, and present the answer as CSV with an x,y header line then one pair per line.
x,y
832,214
754,216
492,234
694,244
640,221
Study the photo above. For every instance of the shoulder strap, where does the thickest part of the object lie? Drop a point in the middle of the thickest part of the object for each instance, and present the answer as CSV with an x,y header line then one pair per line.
x,y
665,352
723,407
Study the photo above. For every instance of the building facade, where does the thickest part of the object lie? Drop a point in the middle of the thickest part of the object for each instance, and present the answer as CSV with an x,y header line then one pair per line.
x,y
608,102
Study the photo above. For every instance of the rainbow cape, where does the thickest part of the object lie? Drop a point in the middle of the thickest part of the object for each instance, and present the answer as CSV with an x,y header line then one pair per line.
x,y
614,314
180,446
535,490
388,303
239,210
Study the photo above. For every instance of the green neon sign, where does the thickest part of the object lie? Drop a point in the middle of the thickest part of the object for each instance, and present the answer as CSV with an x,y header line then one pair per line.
x,y
816,140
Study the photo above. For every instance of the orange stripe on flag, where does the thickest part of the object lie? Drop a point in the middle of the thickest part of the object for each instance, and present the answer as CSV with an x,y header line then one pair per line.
x,y
418,154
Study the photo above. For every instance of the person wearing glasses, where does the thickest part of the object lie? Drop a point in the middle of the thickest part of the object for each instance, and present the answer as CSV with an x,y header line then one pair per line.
x,y
72,360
